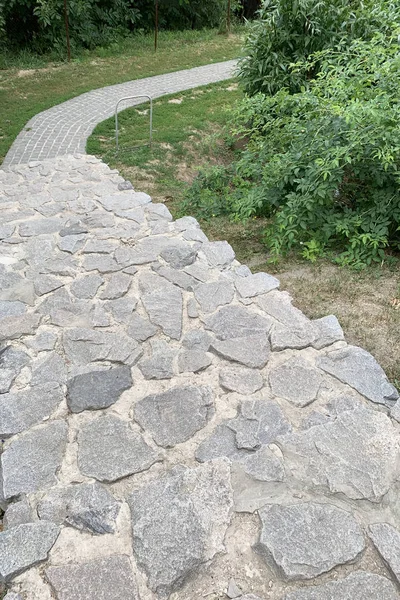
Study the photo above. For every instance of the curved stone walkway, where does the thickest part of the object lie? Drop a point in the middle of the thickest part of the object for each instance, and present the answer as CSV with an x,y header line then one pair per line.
x,y
65,128
173,427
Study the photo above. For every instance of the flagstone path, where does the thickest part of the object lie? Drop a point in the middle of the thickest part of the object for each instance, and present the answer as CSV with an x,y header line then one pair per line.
x,y
172,426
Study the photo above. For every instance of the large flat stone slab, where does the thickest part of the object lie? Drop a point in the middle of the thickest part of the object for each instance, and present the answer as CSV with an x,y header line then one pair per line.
x,y
110,450
23,546
174,416
308,539
31,461
102,579
83,346
237,322
386,540
179,522
359,369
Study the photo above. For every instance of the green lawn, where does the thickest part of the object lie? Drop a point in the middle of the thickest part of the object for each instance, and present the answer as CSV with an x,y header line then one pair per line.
x,y
30,84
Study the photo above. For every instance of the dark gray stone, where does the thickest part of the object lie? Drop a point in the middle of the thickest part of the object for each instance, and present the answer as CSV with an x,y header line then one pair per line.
x,y
102,579
97,389
236,322
328,331
307,539
179,522
357,586
31,461
296,381
20,410
110,450
87,506
24,546
254,285
214,294
386,540
174,416
354,454
252,351
359,369
240,379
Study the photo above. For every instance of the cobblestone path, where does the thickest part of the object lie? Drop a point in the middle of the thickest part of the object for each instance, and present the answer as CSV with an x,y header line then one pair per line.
x,y
65,128
172,426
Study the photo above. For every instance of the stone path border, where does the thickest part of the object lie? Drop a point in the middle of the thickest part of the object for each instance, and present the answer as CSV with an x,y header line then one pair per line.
x,y
65,128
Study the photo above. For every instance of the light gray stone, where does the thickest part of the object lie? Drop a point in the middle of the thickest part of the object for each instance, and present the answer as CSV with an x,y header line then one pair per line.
x,y
193,361
192,309
237,322
76,228
233,590
258,424
13,596
195,235
50,368
196,339
386,540
252,351
199,270
117,286
179,522
35,227
30,462
14,327
110,450
72,243
254,285
46,283
87,506
354,454
164,305
357,586
13,287
125,185
179,254
97,389
83,346
17,513
101,263
96,246
99,317
101,579
328,331
296,381
212,295
176,277
174,416
6,231
395,411
140,329
11,363
359,369
122,308
159,366
155,212
20,410
86,287
24,546
218,254
145,251
11,309
185,223
307,539
240,379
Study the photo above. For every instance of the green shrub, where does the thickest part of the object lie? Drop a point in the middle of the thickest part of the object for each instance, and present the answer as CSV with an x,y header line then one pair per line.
x,y
325,163
289,31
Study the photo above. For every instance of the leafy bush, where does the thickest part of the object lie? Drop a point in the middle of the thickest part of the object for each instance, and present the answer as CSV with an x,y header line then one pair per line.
x,y
289,31
325,162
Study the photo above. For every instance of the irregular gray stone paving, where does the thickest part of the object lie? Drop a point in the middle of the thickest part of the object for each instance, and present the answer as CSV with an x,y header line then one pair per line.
x,y
170,422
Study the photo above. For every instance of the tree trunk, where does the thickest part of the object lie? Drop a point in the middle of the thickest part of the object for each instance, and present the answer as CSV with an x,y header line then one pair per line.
x,y
67,30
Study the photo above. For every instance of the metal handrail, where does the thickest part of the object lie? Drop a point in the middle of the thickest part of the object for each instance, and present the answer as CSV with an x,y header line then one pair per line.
x,y
151,118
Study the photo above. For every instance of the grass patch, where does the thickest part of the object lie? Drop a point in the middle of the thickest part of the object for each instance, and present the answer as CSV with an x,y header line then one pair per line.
x,y
30,84
188,135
